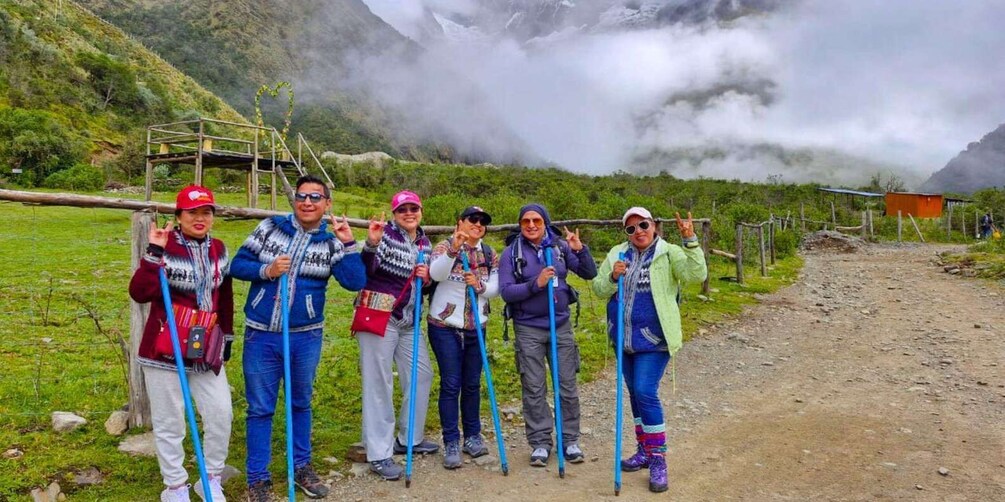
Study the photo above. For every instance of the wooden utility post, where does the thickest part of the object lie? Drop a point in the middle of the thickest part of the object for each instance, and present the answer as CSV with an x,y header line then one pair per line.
x,y
916,229
739,253
139,404
706,244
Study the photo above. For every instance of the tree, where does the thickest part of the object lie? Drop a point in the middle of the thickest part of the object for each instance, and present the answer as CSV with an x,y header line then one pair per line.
x,y
35,142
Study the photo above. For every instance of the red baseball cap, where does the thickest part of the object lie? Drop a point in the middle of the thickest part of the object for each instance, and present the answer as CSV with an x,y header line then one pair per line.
x,y
194,196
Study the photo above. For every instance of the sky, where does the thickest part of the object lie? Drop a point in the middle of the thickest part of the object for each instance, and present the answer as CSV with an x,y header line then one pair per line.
x,y
900,83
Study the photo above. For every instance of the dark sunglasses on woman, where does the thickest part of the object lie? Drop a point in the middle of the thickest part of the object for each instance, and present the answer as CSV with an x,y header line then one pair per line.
x,y
643,225
313,196
477,219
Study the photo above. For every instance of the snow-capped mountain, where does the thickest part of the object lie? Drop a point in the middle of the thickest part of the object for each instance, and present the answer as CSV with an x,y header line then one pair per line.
x,y
527,20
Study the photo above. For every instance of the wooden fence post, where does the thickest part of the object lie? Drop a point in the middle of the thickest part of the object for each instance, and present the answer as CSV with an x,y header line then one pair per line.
x,y
865,225
139,404
706,240
739,253
872,233
771,240
900,226
834,218
760,246
802,216
916,229
949,223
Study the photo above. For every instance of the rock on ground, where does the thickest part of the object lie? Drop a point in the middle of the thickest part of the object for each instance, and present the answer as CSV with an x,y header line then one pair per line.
x,y
141,445
830,241
117,423
63,421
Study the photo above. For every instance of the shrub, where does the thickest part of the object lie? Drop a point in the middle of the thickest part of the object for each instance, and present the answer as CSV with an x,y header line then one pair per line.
x,y
35,141
82,177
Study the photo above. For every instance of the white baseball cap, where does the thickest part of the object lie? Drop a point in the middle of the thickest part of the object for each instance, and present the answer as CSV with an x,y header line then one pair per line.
x,y
636,211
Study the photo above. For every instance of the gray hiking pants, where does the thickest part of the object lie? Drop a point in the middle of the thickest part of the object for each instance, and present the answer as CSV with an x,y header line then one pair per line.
x,y
533,349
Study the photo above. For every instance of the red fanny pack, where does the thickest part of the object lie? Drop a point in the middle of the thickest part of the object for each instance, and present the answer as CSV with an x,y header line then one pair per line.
x,y
186,318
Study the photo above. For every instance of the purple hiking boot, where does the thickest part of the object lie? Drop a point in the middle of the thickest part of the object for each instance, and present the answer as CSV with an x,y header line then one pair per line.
x,y
635,462
658,474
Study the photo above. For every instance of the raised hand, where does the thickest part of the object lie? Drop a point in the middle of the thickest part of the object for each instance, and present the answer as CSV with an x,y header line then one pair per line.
x,y
460,237
341,229
279,266
159,236
686,228
375,229
573,239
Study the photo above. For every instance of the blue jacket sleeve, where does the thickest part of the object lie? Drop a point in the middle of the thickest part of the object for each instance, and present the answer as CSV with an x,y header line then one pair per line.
x,y
350,272
246,266
580,263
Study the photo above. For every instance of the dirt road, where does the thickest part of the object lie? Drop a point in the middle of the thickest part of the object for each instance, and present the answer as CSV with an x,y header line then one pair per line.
x,y
861,381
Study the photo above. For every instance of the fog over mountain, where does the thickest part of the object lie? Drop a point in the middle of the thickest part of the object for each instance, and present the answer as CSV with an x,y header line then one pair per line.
x,y
809,90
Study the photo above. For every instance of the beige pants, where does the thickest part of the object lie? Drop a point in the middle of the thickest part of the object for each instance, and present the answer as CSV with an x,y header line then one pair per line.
x,y
211,394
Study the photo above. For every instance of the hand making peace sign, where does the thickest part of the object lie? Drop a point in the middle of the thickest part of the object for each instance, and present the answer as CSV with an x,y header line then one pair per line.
x,y
573,239
159,236
341,229
686,228
375,229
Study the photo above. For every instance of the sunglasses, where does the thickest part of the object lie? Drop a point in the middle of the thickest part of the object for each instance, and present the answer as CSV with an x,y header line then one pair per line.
x,y
643,225
526,222
477,219
411,208
313,196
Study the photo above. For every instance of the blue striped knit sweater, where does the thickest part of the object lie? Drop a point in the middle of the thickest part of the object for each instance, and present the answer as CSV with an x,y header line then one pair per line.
x,y
317,255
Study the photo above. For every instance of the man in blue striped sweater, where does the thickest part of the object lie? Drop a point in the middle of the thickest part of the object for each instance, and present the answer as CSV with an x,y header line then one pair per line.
x,y
302,246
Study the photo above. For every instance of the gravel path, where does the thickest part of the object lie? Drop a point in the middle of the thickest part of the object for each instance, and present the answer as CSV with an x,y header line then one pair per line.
x,y
875,376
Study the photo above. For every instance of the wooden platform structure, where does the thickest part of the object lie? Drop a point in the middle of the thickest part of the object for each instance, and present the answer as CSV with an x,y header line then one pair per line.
x,y
211,143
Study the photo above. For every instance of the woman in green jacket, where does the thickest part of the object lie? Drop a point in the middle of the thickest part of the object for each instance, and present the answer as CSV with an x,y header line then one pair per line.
x,y
653,270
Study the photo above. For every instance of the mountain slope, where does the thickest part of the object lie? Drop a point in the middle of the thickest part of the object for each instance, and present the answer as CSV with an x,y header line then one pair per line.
x,y
74,88
981,165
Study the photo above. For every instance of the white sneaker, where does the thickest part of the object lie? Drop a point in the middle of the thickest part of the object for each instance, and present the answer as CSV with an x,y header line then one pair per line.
x,y
179,494
215,489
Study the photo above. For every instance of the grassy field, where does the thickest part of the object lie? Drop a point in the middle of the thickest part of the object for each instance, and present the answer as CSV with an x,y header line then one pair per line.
x,y
64,308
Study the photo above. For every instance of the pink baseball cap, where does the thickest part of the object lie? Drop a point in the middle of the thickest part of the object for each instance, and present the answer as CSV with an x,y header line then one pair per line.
x,y
404,197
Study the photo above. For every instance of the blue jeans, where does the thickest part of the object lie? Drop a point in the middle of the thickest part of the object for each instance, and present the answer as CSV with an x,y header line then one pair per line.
x,y
263,372
643,372
460,363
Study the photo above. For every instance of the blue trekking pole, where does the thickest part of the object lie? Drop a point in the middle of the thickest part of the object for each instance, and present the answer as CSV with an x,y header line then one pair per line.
x,y
619,407
183,381
284,295
488,371
416,333
554,366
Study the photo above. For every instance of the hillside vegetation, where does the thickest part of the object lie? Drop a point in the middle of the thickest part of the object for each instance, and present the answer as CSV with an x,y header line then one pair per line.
x,y
75,90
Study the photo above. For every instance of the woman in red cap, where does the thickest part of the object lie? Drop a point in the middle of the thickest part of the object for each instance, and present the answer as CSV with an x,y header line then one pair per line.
x,y
197,267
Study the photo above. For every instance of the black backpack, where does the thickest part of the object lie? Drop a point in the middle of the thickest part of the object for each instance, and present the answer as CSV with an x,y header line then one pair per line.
x,y
518,264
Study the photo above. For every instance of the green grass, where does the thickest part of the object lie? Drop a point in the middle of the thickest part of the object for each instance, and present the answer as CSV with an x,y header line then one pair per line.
x,y
59,263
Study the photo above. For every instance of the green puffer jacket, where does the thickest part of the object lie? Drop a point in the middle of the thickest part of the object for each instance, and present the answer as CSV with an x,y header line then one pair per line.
x,y
672,266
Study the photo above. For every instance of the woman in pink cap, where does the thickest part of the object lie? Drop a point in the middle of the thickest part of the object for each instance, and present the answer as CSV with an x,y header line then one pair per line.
x,y
197,267
390,256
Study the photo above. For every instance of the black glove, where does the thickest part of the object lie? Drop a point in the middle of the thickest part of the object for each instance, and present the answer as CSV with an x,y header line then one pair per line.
x,y
226,350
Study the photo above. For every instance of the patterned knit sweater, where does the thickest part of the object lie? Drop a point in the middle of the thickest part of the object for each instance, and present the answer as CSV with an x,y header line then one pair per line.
x,y
316,256
450,305
389,267
186,263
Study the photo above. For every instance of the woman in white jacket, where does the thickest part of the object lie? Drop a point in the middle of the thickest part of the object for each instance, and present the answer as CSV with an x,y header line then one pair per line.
x,y
452,330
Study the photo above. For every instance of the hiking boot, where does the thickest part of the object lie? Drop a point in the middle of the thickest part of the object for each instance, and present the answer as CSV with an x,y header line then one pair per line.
x,y
452,454
423,448
387,469
179,494
260,491
309,482
658,474
635,462
573,454
539,457
475,446
215,489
